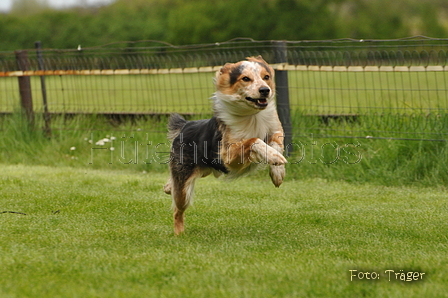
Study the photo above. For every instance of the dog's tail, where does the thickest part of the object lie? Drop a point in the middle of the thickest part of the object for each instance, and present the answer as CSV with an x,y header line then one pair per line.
x,y
175,125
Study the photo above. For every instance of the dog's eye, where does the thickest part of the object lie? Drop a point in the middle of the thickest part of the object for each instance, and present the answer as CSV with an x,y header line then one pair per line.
x,y
266,77
246,79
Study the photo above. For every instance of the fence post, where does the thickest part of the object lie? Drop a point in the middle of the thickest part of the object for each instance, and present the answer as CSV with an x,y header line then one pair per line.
x,y
26,99
40,62
281,81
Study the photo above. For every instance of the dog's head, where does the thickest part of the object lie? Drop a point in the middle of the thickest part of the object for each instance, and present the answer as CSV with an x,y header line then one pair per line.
x,y
248,84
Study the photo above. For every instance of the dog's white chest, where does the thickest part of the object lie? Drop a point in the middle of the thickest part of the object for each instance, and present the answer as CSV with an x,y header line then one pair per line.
x,y
256,126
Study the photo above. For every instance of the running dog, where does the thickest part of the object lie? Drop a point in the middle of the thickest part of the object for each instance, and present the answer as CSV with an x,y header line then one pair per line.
x,y
244,133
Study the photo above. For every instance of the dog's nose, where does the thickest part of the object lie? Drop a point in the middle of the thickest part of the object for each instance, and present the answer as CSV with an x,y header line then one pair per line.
x,y
264,91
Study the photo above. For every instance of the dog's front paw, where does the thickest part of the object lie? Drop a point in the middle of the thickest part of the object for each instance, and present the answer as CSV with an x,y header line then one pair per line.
x,y
277,174
261,152
276,159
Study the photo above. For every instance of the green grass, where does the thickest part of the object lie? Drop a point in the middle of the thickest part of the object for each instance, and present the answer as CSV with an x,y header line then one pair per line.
x,y
311,91
319,150
108,233
74,143
183,93
367,92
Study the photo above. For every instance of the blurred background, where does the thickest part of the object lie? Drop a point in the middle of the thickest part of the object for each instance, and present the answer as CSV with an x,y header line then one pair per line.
x,y
69,23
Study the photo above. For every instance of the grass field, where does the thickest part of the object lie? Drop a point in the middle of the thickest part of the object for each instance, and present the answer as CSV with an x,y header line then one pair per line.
x,y
98,224
108,233
312,91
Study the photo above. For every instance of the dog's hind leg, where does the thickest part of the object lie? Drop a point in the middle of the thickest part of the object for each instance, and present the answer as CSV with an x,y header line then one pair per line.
x,y
182,188
167,187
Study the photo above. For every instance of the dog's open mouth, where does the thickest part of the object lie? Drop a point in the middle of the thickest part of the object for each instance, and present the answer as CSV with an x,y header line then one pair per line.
x,y
259,102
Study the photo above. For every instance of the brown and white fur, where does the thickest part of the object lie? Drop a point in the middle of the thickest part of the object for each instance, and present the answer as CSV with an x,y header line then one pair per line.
x,y
244,133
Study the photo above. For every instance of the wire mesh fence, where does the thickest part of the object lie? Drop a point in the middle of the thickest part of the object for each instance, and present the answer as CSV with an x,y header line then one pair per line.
x,y
349,88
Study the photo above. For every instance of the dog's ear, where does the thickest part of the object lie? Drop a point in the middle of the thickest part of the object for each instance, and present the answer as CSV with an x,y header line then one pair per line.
x,y
226,68
257,59
220,74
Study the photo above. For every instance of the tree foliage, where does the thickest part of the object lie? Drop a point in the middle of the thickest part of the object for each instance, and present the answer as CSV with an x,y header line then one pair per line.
x,y
202,21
